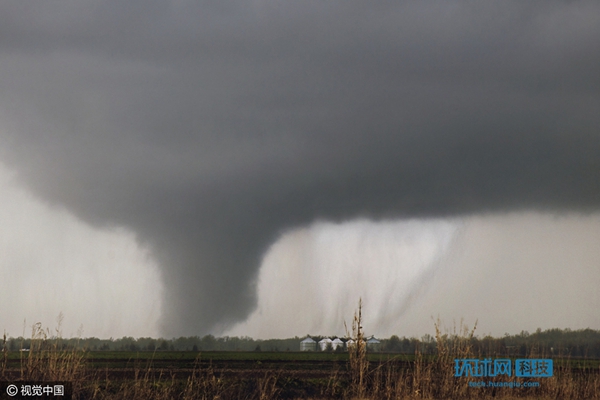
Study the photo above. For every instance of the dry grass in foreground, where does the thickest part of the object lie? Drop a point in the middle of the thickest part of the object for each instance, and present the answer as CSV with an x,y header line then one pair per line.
x,y
427,377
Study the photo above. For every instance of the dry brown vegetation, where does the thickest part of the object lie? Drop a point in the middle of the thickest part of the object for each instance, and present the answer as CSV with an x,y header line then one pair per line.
x,y
428,377
433,377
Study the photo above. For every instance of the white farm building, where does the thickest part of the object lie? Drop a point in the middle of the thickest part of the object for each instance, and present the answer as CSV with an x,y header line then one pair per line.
x,y
337,343
324,343
373,344
308,344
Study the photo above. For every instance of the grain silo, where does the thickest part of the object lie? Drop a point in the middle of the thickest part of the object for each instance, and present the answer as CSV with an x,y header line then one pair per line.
x,y
373,344
337,343
350,343
324,344
308,344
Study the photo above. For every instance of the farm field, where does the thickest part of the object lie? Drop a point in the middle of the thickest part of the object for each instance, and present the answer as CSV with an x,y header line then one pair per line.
x,y
125,365
285,375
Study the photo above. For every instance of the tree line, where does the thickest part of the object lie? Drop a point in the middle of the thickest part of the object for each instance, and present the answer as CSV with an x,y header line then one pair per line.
x,y
551,342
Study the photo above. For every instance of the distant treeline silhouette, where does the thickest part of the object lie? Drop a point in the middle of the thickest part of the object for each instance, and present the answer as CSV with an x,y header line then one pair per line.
x,y
551,342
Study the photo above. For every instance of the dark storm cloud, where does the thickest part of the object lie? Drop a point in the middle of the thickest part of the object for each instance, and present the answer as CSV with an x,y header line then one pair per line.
x,y
210,127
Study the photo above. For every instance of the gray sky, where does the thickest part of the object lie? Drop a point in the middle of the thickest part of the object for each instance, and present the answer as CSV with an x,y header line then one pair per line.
x,y
507,272
101,280
207,130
